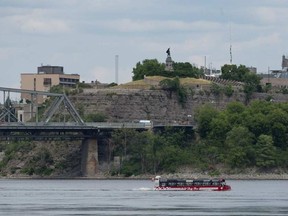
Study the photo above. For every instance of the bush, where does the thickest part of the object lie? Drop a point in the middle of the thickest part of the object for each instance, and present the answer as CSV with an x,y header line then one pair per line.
x,y
215,89
95,117
228,90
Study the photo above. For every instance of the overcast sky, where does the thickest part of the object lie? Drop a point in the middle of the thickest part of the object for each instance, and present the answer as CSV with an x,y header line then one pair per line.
x,y
84,36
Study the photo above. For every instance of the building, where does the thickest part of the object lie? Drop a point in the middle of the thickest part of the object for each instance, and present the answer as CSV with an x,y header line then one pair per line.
x,y
252,69
277,78
44,79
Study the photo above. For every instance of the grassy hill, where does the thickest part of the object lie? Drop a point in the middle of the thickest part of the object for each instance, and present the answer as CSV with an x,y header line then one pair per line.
x,y
153,82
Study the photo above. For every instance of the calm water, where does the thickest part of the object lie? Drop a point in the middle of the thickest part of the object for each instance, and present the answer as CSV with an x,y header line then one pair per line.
x,y
129,197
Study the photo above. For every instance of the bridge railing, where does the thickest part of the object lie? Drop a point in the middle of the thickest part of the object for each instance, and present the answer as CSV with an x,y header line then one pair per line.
x,y
91,125
103,125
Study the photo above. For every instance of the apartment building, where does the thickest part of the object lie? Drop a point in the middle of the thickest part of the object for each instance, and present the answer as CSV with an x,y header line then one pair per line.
x,y
44,79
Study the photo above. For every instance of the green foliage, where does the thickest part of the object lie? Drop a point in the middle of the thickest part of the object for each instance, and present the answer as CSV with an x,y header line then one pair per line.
x,y
228,90
143,152
203,118
12,151
267,88
170,85
59,89
269,98
248,90
173,85
95,117
147,68
220,127
40,164
284,90
216,89
80,109
21,146
242,74
182,95
151,67
281,158
78,88
238,135
265,151
83,85
185,69
238,147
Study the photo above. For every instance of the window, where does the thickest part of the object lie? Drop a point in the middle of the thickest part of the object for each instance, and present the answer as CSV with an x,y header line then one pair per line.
x,y
47,82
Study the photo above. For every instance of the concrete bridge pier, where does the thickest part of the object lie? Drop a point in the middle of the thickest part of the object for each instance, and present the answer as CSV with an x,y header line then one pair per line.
x,y
89,163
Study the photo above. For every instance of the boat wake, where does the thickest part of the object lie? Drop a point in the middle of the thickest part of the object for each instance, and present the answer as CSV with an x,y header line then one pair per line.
x,y
143,189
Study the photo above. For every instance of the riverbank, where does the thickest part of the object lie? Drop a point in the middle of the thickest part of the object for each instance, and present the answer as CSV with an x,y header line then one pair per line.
x,y
184,173
259,176
176,176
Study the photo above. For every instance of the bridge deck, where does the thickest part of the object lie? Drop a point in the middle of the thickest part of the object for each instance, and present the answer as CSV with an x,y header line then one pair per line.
x,y
67,130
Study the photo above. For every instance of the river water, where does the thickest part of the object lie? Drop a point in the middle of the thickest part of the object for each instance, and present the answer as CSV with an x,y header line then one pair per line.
x,y
136,197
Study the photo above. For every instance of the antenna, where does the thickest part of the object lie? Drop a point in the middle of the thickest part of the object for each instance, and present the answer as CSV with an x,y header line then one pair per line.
x,y
230,42
116,68
205,65
268,74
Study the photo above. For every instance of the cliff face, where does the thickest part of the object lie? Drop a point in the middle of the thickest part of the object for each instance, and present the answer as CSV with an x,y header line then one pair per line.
x,y
119,105
123,105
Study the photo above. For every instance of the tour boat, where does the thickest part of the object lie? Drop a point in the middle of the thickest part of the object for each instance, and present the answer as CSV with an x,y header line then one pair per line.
x,y
190,184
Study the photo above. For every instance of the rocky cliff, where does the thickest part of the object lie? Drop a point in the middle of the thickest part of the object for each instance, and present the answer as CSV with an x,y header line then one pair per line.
x,y
128,105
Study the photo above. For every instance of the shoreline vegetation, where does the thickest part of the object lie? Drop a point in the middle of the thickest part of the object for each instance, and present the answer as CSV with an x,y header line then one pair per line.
x,y
254,176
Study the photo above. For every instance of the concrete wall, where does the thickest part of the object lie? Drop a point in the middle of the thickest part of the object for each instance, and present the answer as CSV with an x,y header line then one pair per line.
x,y
89,164
275,82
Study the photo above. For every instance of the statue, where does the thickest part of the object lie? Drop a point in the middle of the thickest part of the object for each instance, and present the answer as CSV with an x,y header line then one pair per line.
x,y
169,62
168,51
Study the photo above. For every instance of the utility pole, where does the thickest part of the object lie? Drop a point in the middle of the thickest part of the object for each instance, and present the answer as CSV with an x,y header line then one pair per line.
x,y
116,68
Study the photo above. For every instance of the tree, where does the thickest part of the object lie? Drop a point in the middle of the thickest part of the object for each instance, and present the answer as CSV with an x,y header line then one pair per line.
x,y
148,67
239,142
173,85
228,90
170,85
204,117
265,152
278,125
252,83
242,74
138,160
10,111
219,128
230,72
234,112
123,139
257,123
216,89
185,69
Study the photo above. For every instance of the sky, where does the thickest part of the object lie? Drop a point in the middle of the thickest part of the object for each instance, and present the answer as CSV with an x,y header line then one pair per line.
x,y
84,36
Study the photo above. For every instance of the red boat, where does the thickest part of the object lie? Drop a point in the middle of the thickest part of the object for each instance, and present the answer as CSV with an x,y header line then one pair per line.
x,y
190,184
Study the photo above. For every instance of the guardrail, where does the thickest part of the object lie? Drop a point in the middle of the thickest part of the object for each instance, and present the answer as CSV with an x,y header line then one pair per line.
x,y
107,125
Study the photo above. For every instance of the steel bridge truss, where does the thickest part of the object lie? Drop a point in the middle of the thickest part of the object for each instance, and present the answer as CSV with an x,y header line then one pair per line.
x,y
7,114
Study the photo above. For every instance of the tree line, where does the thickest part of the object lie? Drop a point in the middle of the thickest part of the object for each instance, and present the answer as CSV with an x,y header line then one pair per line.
x,y
237,138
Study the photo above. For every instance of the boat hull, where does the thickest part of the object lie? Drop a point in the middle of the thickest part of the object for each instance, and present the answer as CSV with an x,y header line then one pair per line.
x,y
193,188
190,184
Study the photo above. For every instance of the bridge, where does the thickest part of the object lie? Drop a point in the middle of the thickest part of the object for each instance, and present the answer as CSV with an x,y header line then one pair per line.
x,y
71,127
61,131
